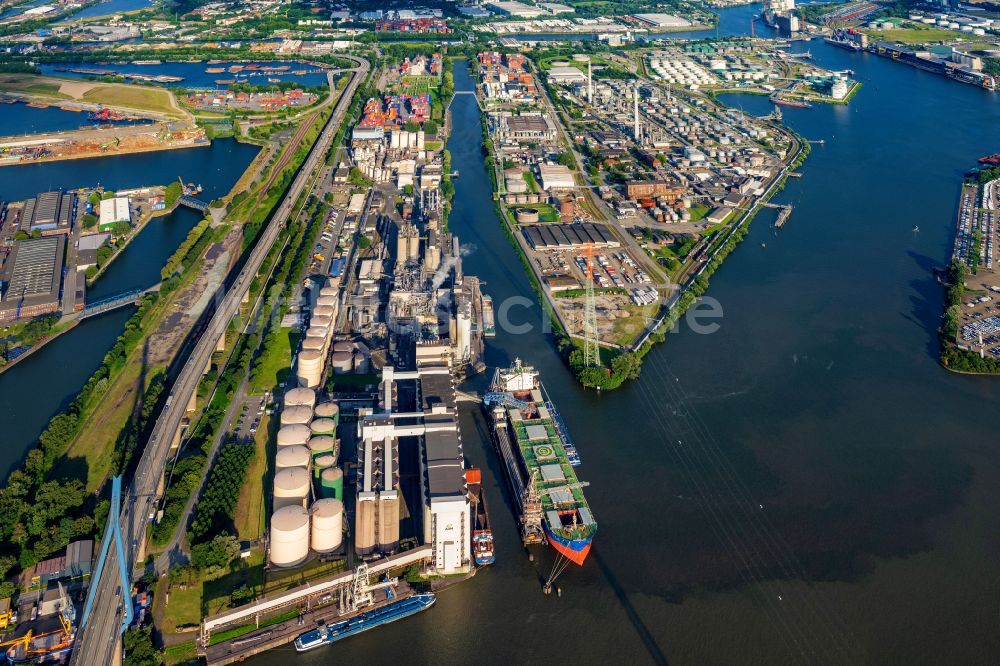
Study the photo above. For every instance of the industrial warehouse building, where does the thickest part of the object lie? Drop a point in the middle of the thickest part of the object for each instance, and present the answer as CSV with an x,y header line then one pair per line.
x,y
568,236
566,75
641,189
527,127
556,177
35,278
49,213
113,211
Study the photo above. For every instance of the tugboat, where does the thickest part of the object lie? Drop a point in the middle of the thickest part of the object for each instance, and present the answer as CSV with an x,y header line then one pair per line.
x,y
482,535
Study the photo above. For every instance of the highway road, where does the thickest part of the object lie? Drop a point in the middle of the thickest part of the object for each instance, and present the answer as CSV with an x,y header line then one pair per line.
x,y
99,641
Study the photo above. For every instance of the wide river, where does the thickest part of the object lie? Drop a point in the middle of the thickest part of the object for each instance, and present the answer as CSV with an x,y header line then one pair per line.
x,y
814,437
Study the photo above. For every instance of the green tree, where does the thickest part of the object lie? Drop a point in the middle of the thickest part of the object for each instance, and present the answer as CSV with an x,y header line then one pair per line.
x,y
139,649
121,228
20,234
216,554
431,127
94,198
567,159
358,178
171,193
89,221
108,194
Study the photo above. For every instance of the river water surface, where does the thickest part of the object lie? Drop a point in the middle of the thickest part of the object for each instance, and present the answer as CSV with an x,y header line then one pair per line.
x,y
813,438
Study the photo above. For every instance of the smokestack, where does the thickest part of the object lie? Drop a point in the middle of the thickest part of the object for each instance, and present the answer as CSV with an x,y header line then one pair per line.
x,y
590,83
635,110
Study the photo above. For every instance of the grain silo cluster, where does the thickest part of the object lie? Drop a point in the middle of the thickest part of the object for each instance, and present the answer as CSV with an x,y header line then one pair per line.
x,y
317,341
308,488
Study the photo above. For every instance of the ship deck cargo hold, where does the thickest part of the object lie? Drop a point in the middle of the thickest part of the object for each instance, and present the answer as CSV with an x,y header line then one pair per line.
x,y
531,446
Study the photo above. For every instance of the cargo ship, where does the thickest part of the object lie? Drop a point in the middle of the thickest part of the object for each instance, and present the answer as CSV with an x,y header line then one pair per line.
x,y
335,631
791,102
489,325
531,442
482,535
843,44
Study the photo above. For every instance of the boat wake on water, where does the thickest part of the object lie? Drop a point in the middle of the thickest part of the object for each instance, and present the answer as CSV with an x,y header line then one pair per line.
x,y
810,627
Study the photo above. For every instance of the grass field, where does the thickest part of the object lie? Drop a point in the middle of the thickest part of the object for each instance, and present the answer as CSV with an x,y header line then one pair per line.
x,y
158,100
275,363
627,329
139,98
182,653
188,604
94,446
418,85
30,85
699,211
280,581
251,510
915,35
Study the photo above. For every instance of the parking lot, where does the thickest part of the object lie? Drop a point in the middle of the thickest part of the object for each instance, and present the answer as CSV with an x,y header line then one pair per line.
x,y
977,229
249,418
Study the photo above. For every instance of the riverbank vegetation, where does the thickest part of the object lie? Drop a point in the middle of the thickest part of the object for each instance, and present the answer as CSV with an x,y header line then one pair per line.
x,y
953,357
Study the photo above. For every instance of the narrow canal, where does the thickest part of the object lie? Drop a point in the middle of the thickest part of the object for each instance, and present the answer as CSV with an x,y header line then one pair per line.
x,y
51,377
816,421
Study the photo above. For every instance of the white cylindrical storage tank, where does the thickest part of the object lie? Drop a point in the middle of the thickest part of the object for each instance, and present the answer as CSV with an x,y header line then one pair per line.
x,y
327,300
327,410
289,542
324,427
329,290
394,139
327,525
316,331
310,368
321,321
314,343
292,456
300,396
420,140
324,461
322,444
291,487
342,362
296,414
323,311
343,345
294,435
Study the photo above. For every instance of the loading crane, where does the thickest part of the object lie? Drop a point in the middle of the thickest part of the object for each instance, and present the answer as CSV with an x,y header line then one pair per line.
x,y
505,399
